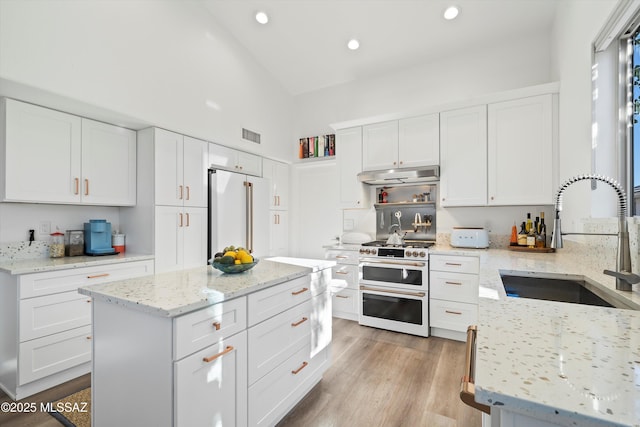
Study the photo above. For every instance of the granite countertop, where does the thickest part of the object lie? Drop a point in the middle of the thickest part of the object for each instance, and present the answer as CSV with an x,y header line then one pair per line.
x,y
38,265
569,364
174,293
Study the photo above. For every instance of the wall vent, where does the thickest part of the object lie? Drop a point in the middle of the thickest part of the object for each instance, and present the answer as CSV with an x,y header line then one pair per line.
x,y
250,135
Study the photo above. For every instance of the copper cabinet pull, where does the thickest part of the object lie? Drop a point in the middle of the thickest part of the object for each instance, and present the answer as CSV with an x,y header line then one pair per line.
x,y
188,193
86,187
453,283
77,182
457,264
467,386
278,200
89,337
180,219
453,312
300,291
181,191
229,349
300,322
341,257
342,272
95,276
216,325
88,300
304,365
341,296
187,218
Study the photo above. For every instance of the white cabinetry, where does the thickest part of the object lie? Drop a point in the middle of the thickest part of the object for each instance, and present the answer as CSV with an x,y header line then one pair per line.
x,y
279,229
233,160
353,193
181,237
401,143
344,282
277,175
453,299
79,161
46,333
463,157
521,129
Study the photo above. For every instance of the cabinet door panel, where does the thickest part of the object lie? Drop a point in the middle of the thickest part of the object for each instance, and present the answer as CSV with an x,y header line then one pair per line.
x,y
419,141
279,227
521,129
222,157
271,301
353,193
168,168
455,316
463,157
169,237
249,163
51,314
213,393
108,164
194,231
43,140
380,145
195,153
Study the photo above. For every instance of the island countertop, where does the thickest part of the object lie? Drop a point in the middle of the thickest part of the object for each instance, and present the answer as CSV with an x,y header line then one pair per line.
x,y
174,293
569,364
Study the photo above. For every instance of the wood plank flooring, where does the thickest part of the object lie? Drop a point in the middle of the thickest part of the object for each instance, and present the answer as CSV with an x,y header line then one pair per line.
x,y
382,378
377,378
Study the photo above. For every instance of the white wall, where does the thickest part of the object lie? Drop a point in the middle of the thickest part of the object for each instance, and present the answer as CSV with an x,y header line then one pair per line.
x,y
155,62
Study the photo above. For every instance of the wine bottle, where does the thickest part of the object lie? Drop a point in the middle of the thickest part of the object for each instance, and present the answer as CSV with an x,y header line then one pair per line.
x,y
529,224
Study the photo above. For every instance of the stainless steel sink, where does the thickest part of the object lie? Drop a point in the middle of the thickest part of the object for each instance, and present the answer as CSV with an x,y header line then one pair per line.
x,y
554,289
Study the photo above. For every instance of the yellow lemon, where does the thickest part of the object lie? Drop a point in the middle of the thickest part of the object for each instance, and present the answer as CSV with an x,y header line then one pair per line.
x,y
237,262
231,254
246,258
242,252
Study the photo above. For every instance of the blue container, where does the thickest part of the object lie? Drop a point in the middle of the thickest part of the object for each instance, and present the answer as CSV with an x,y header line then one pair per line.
x,y
97,237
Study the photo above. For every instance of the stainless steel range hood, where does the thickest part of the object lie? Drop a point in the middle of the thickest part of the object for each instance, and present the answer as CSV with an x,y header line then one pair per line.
x,y
400,176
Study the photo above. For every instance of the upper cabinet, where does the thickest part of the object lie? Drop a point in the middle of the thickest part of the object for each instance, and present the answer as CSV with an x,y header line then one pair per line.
x,y
180,169
521,129
401,143
353,193
78,161
278,175
463,157
233,160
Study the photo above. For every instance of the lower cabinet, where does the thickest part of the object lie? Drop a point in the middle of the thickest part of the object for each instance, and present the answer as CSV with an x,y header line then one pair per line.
x,y
344,282
453,299
46,336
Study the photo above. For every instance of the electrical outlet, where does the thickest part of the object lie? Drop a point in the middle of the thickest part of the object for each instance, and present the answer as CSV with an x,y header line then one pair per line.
x,y
45,227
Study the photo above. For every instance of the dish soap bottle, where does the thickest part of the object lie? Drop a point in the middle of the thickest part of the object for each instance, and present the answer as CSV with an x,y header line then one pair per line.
x,y
514,235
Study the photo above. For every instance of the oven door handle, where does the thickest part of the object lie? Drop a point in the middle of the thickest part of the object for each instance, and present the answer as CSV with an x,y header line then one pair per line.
x,y
467,386
407,264
389,291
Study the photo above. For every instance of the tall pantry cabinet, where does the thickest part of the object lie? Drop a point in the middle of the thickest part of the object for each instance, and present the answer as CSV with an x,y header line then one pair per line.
x,y
277,174
170,219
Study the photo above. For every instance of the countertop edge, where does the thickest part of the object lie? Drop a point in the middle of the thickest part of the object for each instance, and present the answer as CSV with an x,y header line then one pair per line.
x,y
43,265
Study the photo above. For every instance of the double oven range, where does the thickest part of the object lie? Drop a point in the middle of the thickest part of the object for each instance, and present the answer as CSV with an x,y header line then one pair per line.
x,y
394,286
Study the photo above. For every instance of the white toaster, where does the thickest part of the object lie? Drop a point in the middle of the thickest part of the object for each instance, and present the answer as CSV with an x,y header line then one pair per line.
x,y
469,237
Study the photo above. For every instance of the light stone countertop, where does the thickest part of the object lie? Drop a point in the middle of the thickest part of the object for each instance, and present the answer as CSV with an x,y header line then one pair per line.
x,y
174,293
569,364
37,265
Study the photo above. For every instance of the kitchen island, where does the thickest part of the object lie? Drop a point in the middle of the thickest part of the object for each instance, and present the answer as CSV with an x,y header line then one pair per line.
x,y
547,363
199,347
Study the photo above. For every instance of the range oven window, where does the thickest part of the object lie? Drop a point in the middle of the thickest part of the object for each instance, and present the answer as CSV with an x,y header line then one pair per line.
x,y
405,276
392,308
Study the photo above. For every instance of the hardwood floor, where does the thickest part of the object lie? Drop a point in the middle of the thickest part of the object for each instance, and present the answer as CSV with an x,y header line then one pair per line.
x,y
377,378
382,378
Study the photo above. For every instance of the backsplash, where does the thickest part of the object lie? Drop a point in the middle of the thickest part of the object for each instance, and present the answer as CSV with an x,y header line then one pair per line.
x,y
22,250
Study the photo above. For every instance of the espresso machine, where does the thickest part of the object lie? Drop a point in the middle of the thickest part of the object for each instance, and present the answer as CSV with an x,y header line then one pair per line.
x,y
97,237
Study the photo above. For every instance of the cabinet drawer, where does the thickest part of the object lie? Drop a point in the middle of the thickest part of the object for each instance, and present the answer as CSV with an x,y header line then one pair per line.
x,y
54,353
455,316
51,314
51,282
459,264
344,301
344,276
454,286
277,299
274,340
214,390
205,327
342,256
271,396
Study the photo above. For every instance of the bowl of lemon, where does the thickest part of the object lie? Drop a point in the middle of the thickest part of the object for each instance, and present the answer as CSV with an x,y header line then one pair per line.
x,y
233,260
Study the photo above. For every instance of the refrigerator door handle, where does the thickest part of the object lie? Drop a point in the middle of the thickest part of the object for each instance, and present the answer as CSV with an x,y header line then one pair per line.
x,y
249,216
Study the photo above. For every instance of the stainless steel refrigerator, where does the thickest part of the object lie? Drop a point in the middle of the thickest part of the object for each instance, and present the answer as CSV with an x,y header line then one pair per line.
x,y
238,212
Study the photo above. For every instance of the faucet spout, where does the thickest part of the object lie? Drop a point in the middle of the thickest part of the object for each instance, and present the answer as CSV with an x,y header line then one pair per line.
x,y
624,277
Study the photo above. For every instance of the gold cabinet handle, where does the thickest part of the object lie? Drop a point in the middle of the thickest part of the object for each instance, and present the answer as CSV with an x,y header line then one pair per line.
x,y
217,325
229,349
300,291
187,214
188,193
180,219
278,200
181,191
295,371
86,187
95,276
467,386
453,312
77,182
300,322
453,283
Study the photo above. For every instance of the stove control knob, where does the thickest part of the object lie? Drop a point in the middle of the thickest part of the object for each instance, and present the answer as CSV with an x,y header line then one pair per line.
x,y
362,250
407,254
415,253
373,251
423,254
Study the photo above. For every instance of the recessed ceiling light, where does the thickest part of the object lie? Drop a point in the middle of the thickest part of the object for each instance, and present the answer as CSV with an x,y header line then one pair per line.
x,y
451,12
353,44
262,17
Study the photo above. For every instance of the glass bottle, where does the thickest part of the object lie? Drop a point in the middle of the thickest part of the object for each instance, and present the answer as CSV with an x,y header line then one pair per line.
x,y
56,247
